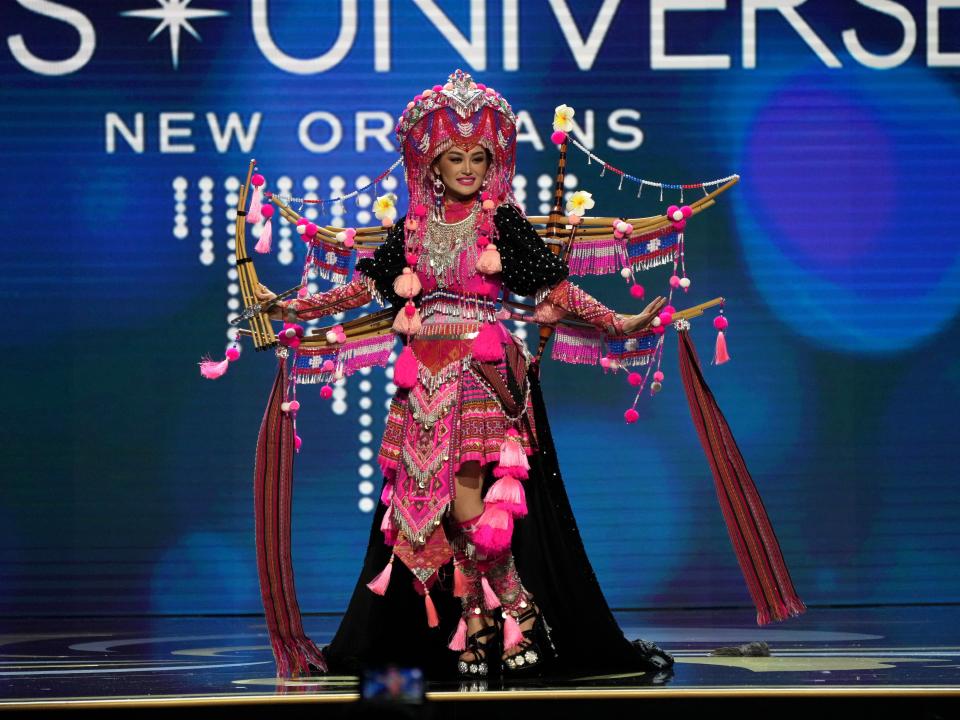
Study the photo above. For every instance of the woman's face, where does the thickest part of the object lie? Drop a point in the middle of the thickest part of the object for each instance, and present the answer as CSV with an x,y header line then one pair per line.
x,y
462,171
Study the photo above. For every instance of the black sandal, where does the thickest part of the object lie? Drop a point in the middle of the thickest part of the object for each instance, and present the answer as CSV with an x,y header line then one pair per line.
x,y
535,642
479,667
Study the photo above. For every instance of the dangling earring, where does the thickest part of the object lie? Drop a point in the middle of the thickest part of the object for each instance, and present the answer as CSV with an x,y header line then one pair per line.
x,y
439,190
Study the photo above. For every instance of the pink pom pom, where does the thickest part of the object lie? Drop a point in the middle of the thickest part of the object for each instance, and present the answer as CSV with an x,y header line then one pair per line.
x,y
257,180
302,221
634,379
658,376
487,205
636,290
411,224
297,443
631,416
349,242
488,345
665,318
350,232
327,366
267,211
303,292
720,323
489,261
482,241
574,219
437,88
233,353
687,211
558,137
658,330
412,259
674,281
294,405
420,210
605,363
485,195
311,229
481,86
326,392
405,369
669,308
409,309
671,211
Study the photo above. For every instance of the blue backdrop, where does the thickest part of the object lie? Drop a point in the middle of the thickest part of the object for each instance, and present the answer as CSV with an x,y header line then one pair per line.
x,y
126,127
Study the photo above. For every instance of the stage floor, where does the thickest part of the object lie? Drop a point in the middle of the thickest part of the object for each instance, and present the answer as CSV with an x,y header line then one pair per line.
x,y
99,662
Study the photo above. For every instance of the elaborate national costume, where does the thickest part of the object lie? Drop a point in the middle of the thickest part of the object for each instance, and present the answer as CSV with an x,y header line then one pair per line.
x,y
464,382
468,391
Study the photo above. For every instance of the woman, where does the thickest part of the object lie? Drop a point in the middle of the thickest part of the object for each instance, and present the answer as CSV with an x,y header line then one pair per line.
x,y
467,450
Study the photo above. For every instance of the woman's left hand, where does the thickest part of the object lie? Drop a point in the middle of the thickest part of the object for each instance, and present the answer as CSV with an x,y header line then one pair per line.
x,y
634,323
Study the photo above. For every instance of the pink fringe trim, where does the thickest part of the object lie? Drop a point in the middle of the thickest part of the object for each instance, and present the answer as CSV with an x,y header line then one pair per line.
x,y
459,582
490,598
387,527
386,495
211,369
432,619
494,530
256,202
459,640
266,235
720,355
508,493
512,635
379,584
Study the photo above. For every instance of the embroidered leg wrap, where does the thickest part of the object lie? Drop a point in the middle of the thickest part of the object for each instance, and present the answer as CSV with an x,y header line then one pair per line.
x,y
489,582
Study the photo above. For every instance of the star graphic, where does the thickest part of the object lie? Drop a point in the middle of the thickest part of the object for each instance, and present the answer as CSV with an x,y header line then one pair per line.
x,y
175,15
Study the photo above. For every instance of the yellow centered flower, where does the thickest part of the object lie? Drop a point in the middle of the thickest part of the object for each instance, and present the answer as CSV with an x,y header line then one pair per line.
x,y
563,118
385,206
579,203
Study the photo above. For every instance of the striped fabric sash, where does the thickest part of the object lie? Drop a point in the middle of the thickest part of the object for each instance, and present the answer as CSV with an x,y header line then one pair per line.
x,y
293,651
751,533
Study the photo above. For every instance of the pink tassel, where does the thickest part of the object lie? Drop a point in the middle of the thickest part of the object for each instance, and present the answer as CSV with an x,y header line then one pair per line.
x,y
407,324
405,369
256,202
508,493
513,458
266,235
459,640
489,261
488,345
386,495
720,355
494,530
379,584
459,582
387,527
432,619
407,284
490,598
512,635
212,370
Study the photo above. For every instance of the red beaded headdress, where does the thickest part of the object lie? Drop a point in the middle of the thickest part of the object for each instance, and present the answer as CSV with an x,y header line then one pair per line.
x,y
462,113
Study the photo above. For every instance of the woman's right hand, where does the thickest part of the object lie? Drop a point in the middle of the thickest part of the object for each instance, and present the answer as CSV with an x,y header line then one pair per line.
x,y
265,295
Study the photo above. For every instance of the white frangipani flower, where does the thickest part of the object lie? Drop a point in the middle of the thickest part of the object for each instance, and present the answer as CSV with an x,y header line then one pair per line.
x,y
385,207
579,203
563,118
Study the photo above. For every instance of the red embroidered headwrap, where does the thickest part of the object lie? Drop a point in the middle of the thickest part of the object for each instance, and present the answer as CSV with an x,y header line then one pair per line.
x,y
462,113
